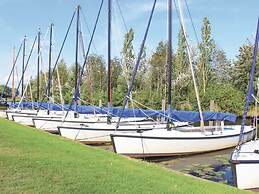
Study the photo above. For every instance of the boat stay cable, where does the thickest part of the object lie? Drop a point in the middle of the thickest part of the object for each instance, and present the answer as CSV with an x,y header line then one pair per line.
x,y
25,68
256,113
122,17
192,23
77,89
14,65
59,54
250,87
191,64
136,65
88,29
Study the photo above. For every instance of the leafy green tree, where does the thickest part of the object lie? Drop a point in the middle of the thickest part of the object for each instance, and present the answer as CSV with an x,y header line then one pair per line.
x,y
128,56
7,93
221,67
157,74
226,97
206,54
95,80
60,92
182,81
242,66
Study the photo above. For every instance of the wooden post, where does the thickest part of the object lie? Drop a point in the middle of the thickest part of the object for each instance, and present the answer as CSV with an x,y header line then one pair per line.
x,y
212,108
163,108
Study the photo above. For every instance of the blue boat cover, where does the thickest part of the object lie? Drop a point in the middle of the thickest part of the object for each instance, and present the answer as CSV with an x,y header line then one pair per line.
x,y
175,115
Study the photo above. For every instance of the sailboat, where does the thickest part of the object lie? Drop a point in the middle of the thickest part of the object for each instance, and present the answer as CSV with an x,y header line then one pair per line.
x,y
25,118
245,157
179,140
99,132
18,110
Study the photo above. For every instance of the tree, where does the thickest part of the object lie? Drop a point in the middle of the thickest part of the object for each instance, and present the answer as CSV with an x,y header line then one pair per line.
x,y
157,73
181,74
242,66
7,93
128,56
94,80
65,88
207,50
226,97
221,67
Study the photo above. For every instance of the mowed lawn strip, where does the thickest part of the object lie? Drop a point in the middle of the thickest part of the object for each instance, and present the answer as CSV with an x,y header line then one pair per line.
x,y
32,161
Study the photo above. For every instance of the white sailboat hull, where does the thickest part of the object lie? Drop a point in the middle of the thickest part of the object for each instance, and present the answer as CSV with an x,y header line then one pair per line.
x,y
52,124
10,113
245,166
23,119
167,143
3,114
100,132
27,119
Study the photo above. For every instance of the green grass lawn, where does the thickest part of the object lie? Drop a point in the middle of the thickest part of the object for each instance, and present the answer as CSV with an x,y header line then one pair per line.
x,y
32,161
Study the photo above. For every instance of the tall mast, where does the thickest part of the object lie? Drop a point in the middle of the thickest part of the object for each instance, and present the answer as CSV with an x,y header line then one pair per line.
x,y
50,54
250,86
77,46
23,62
38,68
169,61
109,61
13,92
76,60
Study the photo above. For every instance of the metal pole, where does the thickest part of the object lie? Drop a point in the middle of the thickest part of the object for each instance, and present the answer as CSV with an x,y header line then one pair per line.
x,y
76,60
169,63
38,68
50,54
13,91
23,62
109,62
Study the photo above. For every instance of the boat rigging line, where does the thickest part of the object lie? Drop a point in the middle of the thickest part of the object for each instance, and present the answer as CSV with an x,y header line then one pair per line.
x,y
169,65
250,88
76,92
137,65
59,54
24,70
14,64
191,65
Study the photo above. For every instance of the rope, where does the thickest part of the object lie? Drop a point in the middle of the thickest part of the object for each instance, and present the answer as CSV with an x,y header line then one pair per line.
x,y
191,66
27,62
137,63
250,86
14,64
142,145
31,95
163,115
189,13
86,57
256,116
60,51
60,90
122,17
23,94
88,29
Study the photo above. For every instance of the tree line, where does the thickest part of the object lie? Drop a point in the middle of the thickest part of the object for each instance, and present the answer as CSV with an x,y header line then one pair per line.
x,y
219,79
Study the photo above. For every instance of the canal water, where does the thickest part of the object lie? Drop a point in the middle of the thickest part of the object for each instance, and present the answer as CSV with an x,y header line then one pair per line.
x,y
212,166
